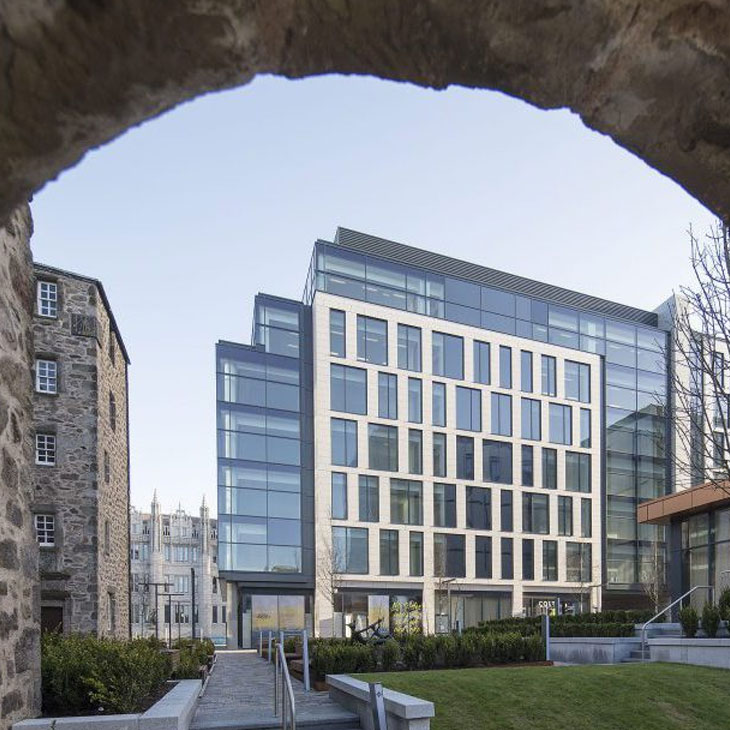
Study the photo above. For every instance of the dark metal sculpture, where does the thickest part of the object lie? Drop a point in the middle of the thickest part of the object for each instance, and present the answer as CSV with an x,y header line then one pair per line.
x,y
372,634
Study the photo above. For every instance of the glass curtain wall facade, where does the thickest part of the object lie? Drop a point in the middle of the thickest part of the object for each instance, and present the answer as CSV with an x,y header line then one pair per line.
x,y
632,346
265,461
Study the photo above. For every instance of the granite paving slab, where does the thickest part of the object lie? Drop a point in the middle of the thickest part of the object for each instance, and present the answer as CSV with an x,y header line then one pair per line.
x,y
240,695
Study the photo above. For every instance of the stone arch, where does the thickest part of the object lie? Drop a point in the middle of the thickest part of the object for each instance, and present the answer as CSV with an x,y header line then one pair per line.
x,y
653,75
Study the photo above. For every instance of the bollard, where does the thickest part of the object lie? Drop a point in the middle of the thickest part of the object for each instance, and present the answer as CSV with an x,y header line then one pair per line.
x,y
305,659
377,705
546,635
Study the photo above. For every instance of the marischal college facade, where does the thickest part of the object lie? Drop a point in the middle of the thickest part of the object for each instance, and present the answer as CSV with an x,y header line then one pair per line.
x,y
427,429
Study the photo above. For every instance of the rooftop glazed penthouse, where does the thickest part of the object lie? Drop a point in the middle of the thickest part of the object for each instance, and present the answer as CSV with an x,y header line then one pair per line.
x,y
471,440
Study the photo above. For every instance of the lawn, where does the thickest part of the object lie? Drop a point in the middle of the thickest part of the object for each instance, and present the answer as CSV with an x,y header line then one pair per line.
x,y
599,697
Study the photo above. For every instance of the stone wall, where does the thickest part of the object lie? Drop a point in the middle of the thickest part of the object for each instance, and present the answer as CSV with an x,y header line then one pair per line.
x,y
19,627
113,496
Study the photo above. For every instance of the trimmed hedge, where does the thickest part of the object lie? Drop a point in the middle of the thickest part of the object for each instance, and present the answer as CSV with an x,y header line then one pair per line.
x,y
338,656
84,675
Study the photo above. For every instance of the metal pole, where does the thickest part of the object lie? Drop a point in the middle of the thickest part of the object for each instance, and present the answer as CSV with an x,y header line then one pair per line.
x,y
276,675
169,623
270,642
261,643
448,600
192,579
377,706
157,614
305,659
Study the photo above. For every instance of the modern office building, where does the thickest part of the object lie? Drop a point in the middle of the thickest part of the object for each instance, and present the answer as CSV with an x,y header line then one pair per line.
x,y
423,428
175,586
81,499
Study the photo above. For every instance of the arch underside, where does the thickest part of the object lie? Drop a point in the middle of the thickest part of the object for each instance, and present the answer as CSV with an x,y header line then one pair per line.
x,y
653,75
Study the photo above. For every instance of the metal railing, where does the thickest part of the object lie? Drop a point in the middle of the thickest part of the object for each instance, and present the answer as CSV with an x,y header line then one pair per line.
x,y
283,691
305,650
663,611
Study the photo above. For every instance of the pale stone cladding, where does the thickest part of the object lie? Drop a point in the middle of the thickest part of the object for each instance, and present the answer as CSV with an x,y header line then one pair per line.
x,y
20,676
516,590
165,550
81,502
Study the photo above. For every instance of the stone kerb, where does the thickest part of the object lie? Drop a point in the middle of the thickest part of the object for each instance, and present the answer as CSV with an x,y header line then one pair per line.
x,y
592,650
702,652
403,712
173,712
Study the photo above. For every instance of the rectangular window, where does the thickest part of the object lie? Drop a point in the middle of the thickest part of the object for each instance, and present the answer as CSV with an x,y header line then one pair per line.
x,y
448,355
507,561
45,449
483,557
215,614
348,389
409,348
578,562
528,560
449,558
468,409
387,395
389,552
718,449
586,518
501,414
565,516
549,382
344,442
549,560
549,469
372,340
415,451
585,428
536,513
369,499
45,530
415,400
337,333
505,367
497,461
577,472
479,508
382,447
406,502
464,457
577,381
46,376
350,549
439,454
444,505
505,509
482,366
415,553
526,371
438,404
531,419
47,293
528,467
561,424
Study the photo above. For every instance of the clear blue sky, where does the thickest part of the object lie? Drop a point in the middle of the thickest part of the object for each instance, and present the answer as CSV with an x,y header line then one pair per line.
x,y
185,218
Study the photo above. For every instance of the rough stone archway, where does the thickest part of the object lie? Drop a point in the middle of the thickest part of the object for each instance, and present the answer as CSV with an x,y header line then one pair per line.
x,y
652,74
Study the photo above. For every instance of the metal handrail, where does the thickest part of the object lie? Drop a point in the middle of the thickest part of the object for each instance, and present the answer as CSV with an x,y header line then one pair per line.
x,y
288,703
663,611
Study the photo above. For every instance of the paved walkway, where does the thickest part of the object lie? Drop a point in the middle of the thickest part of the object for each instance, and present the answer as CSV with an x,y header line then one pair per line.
x,y
240,694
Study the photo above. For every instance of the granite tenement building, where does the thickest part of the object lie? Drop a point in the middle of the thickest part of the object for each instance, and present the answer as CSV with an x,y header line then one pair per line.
x,y
81,436
175,585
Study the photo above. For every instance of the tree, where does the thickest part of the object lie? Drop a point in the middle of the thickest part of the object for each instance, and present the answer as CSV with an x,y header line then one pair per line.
x,y
653,578
329,569
700,381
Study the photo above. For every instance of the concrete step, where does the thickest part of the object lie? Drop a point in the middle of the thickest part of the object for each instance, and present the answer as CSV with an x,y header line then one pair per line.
x,y
311,723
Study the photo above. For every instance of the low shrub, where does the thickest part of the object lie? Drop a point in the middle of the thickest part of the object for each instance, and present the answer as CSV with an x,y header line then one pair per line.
x,y
193,655
689,621
724,604
390,655
86,675
710,619
290,645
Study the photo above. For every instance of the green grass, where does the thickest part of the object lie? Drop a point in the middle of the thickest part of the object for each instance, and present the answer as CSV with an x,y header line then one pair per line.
x,y
649,696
